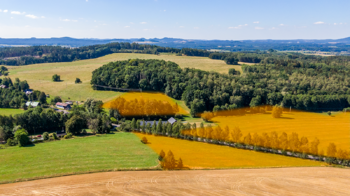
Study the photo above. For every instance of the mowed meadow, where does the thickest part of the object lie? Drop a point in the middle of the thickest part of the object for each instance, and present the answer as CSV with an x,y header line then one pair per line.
x,y
334,128
39,76
198,155
78,155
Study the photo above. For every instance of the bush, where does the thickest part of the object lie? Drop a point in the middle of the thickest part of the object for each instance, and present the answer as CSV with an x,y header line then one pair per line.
x,y
56,78
21,136
46,136
144,140
69,135
84,132
77,81
53,136
113,120
11,142
276,111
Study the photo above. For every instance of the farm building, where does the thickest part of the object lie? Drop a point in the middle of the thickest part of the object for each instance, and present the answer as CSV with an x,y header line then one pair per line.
x,y
28,91
33,104
63,106
171,121
69,102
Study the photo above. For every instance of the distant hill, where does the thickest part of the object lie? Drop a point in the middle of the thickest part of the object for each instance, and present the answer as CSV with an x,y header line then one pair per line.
x,y
327,45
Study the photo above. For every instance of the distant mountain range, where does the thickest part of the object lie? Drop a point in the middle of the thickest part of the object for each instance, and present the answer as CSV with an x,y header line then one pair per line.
x,y
327,45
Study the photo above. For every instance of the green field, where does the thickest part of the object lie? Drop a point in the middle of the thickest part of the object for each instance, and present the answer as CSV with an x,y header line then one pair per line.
x,y
10,111
39,75
78,155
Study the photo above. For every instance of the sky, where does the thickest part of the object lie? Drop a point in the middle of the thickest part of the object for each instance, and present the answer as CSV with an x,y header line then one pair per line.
x,y
187,19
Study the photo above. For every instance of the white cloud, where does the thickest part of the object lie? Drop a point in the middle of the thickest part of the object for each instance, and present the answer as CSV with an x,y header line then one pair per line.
x,y
259,28
164,10
181,26
27,26
195,27
68,20
5,11
0,10
256,22
282,25
143,22
127,27
335,23
319,22
87,0
17,12
42,16
238,27
31,16
273,28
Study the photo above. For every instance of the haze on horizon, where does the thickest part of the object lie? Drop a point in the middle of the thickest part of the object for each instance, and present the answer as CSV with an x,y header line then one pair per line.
x,y
223,20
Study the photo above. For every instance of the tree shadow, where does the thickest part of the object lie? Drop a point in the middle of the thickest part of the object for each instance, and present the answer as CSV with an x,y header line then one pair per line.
x,y
29,145
286,117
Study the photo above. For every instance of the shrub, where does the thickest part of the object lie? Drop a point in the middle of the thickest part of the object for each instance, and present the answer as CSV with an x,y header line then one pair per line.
x,y
54,136
21,136
113,120
56,78
69,135
77,81
276,111
84,132
11,142
46,136
144,140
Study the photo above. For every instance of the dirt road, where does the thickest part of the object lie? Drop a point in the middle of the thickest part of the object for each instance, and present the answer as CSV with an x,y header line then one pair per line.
x,y
275,181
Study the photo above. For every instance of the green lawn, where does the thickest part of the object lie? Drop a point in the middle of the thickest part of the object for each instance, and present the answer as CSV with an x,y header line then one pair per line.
x,y
78,155
10,111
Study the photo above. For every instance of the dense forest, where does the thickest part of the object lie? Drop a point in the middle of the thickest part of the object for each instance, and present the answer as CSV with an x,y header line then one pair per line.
x,y
303,85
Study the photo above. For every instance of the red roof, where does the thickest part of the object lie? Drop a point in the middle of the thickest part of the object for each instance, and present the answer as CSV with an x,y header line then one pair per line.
x,y
61,104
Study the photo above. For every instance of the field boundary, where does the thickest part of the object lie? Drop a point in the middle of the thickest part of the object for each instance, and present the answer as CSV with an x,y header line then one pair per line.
x,y
155,168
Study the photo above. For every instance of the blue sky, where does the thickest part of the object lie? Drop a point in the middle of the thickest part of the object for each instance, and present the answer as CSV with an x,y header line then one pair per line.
x,y
189,19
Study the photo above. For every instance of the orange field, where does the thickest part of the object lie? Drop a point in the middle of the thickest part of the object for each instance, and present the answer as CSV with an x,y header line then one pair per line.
x,y
198,155
334,128
134,101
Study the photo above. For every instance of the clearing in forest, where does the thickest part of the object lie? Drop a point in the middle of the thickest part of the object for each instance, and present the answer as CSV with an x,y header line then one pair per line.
x,y
198,155
10,111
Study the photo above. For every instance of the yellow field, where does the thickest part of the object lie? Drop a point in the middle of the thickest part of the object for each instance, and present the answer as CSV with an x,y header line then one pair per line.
x,y
198,155
335,128
39,75
142,97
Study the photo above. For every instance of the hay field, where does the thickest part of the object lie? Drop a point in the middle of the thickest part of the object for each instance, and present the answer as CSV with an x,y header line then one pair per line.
x,y
278,181
10,111
198,155
335,128
39,75
78,155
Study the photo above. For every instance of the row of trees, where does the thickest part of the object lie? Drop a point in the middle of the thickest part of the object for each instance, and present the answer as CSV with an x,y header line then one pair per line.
x,y
169,162
143,108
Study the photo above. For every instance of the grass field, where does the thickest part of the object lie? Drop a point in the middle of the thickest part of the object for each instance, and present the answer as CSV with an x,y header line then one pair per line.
x,y
201,155
106,152
39,75
10,111
335,128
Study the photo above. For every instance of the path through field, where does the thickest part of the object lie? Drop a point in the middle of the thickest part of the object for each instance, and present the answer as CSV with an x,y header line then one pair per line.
x,y
277,181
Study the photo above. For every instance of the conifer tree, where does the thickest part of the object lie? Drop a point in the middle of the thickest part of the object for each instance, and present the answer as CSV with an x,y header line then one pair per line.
x,y
331,150
133,124
180,164
159,127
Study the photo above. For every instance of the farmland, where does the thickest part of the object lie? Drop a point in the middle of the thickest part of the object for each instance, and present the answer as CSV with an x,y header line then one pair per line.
x,y
10,111
276,181
39,75
78,155
334,128
197,155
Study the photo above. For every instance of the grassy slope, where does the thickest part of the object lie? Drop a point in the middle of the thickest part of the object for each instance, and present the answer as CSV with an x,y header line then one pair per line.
x,y
10,111
203,155
39,75
113,151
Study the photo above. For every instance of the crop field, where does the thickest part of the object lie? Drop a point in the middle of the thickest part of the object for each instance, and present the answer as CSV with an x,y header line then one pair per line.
x,y
198,155
39,75
78,155
10,111
277,181
334,128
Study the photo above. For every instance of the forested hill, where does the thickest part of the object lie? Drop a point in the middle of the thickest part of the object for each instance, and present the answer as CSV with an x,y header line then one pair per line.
x,y
327,45
303,85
